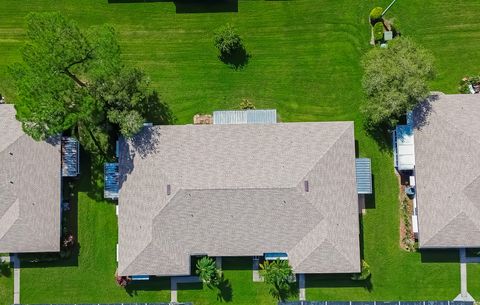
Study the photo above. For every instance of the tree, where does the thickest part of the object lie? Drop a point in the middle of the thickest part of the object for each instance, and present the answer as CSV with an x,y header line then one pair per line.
x,y
278,275
227,40
395,81
75,80
207,271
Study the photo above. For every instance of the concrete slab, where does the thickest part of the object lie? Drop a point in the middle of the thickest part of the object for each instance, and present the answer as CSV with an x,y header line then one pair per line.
x,y
16,279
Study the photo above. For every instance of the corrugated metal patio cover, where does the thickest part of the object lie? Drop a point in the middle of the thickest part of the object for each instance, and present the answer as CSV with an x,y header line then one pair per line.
x,y
364,175
267,116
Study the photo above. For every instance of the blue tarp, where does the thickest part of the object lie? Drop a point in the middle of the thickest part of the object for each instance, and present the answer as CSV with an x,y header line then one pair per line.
x,y
112,182
70,157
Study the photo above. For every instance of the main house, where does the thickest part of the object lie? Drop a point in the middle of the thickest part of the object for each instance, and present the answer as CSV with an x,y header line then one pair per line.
x,y
440,146
286,190
30,188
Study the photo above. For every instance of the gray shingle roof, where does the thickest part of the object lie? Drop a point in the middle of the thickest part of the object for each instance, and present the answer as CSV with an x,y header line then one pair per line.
x,y
447,157
238,190
29,189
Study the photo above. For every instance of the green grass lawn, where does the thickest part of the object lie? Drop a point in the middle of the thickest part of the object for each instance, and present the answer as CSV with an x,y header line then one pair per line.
x,y
305,62
6,287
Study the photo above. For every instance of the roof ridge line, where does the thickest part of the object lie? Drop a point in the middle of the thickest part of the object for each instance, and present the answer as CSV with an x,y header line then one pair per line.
x,y
444,226
450,123
326,151
13,210
318,161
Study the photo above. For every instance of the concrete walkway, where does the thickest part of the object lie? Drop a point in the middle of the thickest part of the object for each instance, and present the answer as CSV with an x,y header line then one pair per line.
x,y
464,295
16,279
301,287
175,280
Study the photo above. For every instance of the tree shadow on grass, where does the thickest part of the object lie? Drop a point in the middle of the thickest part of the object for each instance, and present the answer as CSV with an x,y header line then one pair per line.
x,y
193,6
205,6
237,59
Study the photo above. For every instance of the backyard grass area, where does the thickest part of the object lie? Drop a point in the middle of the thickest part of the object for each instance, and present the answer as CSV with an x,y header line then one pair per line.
x,y
240,288
305,62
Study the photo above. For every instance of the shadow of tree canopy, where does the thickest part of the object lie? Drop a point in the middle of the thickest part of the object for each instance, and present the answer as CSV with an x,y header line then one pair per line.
x,y
423,110
193,6
237,59
155,111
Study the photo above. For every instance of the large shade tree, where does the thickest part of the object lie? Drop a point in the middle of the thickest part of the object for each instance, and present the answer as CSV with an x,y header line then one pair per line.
x,y
395,81
75,80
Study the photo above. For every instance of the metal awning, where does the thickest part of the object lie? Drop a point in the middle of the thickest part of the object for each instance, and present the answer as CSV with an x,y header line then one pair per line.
x,y
363,168
264,116
275,255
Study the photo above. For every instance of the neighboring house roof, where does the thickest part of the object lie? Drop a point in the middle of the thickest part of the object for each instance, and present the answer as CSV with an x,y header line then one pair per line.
x,y
447,158
29,189
239,190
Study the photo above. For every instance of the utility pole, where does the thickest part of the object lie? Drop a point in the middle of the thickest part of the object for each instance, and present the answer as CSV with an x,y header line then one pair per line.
x,y
388,7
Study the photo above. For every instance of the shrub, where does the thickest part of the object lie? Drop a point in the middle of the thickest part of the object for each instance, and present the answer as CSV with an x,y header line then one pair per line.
x,y
4,268
378,31
207,271
246,104
227,40
122,281
364,274
376,14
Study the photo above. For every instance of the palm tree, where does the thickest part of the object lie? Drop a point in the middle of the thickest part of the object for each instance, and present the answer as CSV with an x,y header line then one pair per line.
x,y
278,274
207,271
